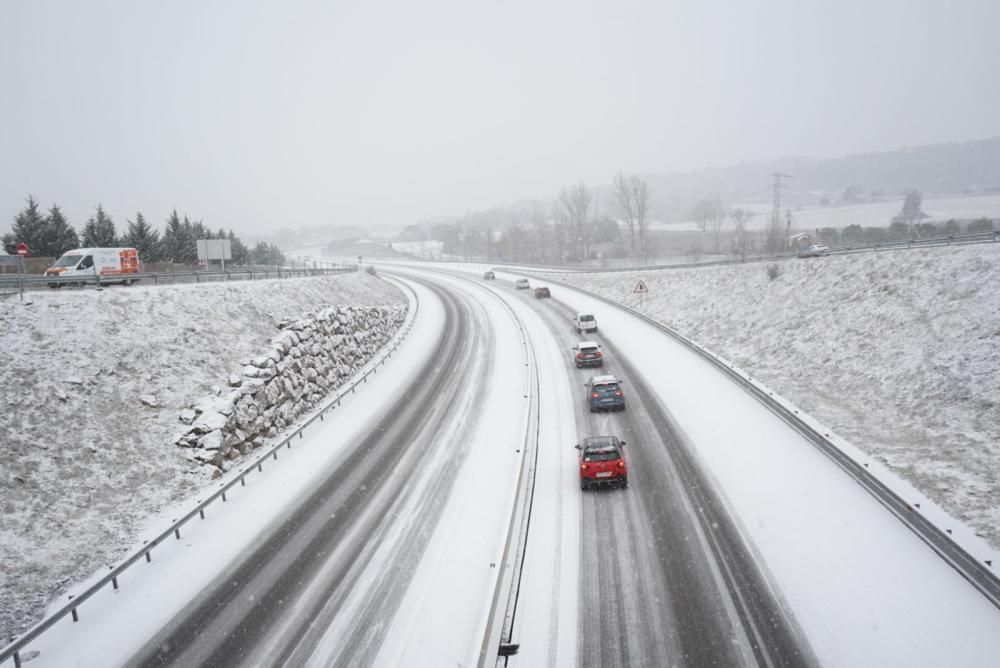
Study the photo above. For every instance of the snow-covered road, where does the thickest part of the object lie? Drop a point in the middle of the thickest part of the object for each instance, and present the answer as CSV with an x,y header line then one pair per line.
x,y
381,540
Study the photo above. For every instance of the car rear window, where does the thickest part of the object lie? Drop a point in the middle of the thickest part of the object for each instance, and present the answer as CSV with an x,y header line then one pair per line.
x,y
586,318
602,454
606,387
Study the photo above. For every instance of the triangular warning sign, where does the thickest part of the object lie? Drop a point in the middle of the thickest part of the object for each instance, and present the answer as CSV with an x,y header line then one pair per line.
x,y
640,287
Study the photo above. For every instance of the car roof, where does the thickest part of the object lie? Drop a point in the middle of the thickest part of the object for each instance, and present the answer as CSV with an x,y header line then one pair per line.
x,y
592,344
601,380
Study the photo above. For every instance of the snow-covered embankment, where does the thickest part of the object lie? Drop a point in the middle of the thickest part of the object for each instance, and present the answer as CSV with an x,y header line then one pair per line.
x,y
92,385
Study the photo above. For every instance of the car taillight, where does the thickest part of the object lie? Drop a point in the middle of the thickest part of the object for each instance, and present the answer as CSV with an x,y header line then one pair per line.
x,y
579,356
583,467
621,464
618,393
594,395
599,353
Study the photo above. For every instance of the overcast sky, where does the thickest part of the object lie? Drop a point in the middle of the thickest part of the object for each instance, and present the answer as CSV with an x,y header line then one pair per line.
x,y
255,116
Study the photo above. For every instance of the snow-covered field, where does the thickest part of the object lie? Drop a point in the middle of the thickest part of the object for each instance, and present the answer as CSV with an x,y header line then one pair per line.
x,y
86,463
899,353
873,214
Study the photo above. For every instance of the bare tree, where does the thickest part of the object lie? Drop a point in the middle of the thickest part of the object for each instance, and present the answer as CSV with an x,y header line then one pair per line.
x,y
741,217
632,207
640,203
623,207
575,204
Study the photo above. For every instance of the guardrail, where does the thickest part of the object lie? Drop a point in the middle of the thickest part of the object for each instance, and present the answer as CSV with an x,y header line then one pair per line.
x,y
978,574
36,282
14,648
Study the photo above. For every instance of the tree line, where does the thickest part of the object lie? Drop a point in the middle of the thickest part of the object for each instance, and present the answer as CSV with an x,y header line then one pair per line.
x,y
50,234
570,229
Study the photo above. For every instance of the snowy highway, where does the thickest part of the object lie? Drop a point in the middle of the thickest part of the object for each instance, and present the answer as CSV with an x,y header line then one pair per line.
x,y
381,541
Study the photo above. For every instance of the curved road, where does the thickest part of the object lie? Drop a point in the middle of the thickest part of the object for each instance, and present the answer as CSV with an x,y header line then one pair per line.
x,y
277,602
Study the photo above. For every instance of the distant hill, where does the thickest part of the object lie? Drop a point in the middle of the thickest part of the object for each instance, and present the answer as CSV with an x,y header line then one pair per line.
x,y
971,167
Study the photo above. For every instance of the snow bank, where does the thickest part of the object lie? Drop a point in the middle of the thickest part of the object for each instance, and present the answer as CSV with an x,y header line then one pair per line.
x,y
92,383
898,352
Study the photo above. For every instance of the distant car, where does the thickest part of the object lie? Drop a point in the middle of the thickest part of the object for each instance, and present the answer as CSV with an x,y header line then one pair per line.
x,y
542,293
814,251
587,354
602,462
585,322
489,276
522,284
604,393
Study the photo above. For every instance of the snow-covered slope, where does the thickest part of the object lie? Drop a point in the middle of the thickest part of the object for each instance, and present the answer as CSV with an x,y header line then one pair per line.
x,y
85,461
898,352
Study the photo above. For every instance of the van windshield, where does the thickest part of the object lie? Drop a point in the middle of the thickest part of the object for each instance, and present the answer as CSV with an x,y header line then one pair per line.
x,y
68,261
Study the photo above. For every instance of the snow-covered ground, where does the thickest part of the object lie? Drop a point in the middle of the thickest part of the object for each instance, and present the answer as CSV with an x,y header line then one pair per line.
x,y
873,214
86,463
899,353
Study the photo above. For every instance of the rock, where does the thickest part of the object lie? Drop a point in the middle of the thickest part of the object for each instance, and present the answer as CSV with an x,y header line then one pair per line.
x,y
211,441
272,393
263,362
61,394
74,380
148,400
235,380
187,416
246,412
210,421
251,386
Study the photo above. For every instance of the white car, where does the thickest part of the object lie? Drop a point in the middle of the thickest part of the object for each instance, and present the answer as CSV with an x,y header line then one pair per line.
x,y
815,250
522,284
585,322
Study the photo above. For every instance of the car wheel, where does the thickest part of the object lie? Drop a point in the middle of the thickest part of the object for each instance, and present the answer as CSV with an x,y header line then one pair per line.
x,y
583,485
624,483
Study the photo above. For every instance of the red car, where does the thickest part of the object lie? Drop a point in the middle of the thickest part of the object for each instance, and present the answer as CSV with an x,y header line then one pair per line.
x,y
602,462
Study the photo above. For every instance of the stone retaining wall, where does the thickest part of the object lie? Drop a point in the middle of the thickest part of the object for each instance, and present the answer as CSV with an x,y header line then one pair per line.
x,y
311,357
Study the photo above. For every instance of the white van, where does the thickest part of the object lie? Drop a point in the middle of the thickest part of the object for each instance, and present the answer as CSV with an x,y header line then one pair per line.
x,y
111,265
585,322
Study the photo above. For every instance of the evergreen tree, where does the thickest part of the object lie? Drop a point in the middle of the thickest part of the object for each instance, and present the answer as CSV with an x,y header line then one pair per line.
x,y
241,254
29,228
59,234
99,232
980,225
141,236
172,243
267,254
191,232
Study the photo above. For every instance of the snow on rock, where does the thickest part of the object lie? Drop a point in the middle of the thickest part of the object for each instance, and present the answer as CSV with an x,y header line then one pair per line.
x,y
148,400
83,468
898,352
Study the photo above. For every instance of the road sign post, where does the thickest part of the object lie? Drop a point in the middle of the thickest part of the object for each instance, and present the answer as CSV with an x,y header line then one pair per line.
x,y
641,290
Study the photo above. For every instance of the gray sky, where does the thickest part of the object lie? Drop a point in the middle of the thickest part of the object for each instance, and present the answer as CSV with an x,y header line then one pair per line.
x,y
255,116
